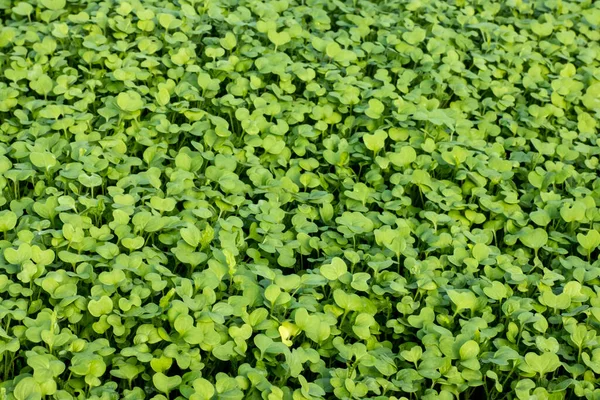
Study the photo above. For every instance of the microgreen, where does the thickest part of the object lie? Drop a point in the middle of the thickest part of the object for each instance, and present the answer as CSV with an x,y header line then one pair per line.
x,y
287,200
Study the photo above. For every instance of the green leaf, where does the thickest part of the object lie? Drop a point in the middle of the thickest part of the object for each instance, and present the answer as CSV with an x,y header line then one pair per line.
x,y
130,101
403,156
54,4
165,384
413,355
540,217
463,300
43,160
589,241
8,220
28,389
102,306
376,141
228,42
416,36
279,38
469,350
335,270
534,238
591,99
263,343
496,291
375,109
362,325
18,256
191,235
22,8
542,364
542,30
203,389
161,364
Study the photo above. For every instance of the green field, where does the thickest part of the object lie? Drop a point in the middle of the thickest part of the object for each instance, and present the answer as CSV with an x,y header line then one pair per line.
x,y
299,199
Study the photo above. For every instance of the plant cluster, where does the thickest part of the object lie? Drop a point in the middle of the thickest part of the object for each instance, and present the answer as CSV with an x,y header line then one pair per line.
x,y
299,199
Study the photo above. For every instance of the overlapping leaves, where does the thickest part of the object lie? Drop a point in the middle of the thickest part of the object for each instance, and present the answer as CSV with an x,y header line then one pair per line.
x,y
299,199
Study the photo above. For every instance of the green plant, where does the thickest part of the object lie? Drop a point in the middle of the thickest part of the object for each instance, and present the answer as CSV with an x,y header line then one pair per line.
x,y
317,199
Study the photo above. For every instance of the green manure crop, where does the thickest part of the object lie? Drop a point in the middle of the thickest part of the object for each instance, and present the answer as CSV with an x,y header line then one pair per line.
x,y
299,199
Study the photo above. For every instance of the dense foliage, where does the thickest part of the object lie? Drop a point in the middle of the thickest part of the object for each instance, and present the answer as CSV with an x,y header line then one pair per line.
x,y
299,199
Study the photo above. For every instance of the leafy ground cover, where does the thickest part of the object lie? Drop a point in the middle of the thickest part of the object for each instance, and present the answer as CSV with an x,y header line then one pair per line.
x,y
313,199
